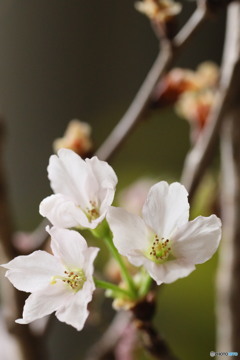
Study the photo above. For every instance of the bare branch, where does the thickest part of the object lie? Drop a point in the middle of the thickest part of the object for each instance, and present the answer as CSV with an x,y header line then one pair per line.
x,y
103,349
141,102
27,242
200,156
228,279
152,341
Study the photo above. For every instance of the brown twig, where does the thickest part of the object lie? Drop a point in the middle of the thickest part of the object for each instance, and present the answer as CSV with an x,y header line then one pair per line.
x,y
228,279
103,349
153,342
201,155
141,102
28,242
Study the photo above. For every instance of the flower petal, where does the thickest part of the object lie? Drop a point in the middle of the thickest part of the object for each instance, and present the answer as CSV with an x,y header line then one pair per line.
x,y
107,200
62,212
197,241
69,247
89,256
44,302
75,312
166,208
169,271
68,175
129,231
95,222
103,172
106,179
33,272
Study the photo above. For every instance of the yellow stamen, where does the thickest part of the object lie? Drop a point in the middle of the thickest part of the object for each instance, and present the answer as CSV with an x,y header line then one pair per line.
x,y
74,279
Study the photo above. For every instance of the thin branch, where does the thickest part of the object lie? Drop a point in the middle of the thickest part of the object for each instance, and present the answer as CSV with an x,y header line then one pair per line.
x,y
228,188
228,279
152,341
26,242
201,155
141,102
103,349
189,29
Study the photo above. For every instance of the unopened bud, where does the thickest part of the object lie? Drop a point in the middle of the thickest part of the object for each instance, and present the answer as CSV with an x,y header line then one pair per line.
x,y
176,82
77,137
159,10
195,107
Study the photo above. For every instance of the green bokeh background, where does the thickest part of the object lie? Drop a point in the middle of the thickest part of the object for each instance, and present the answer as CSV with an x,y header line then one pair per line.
x,y
64,59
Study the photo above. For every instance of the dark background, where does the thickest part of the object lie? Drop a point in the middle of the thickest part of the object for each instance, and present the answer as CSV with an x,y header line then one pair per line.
x,y
64,59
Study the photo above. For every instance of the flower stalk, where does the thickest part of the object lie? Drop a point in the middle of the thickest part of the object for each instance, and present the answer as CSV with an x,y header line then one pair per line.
x,y
145,286
117,291
124,271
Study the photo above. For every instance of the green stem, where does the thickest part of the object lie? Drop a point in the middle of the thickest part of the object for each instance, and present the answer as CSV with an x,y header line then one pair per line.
x,y
125,274
145,286
109,286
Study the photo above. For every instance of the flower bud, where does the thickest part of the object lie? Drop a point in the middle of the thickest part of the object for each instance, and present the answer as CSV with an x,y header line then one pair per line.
x,y
159,10
77,137
162,14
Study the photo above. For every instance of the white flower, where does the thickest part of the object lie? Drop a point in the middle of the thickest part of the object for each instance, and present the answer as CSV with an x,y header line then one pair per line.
x,y
83,190
61,282
164,241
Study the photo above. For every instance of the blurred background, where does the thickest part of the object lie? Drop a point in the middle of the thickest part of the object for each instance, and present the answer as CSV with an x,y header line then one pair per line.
x,y
65,59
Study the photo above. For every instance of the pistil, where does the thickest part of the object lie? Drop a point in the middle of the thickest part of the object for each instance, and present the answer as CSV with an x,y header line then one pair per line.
x,y
92,212
75,279
160,249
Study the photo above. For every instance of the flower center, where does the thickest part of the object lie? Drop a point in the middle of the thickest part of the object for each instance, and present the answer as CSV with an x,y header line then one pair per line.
x,y
74,279
160,249
92,211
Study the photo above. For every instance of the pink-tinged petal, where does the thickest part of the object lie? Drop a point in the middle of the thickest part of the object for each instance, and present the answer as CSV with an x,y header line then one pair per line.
x,y
68,175
62,212
44,302
69,247
75,313
33,272
197,241
166,208
169,271
129,231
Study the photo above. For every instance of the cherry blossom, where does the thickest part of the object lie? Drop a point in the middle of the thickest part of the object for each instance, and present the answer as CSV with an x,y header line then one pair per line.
x,y
163,240
83,190
60,283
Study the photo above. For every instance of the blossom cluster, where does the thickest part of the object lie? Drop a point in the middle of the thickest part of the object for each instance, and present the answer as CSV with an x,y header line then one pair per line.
x,y
162,240
192,92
